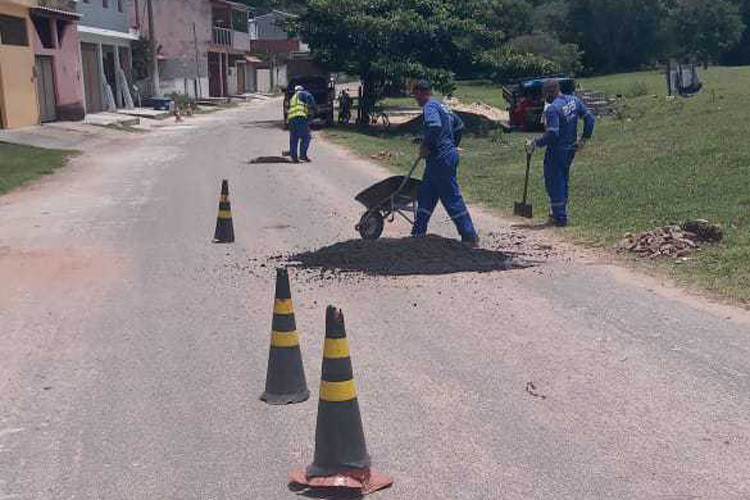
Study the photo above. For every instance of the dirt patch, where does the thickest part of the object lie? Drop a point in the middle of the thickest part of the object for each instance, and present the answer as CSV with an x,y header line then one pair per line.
x,y
31,271
269,160
432,255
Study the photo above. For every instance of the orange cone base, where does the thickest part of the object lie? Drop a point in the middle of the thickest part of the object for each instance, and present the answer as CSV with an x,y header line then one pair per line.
x,y
365,480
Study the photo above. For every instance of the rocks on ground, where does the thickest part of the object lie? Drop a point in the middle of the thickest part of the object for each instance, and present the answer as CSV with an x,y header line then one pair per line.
x,y
675,241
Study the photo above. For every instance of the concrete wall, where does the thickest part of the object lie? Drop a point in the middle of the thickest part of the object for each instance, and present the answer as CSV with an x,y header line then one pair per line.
x,y
96,15
68,73
18,101
174,20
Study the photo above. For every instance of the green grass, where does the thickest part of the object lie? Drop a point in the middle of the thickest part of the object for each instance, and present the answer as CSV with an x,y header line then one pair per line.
x,y
660,161
21,164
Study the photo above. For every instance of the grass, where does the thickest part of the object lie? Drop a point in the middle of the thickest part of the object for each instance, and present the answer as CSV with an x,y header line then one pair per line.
x,y
22,164
661,160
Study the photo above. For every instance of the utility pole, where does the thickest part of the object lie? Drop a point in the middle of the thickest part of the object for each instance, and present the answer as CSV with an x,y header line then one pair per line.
x,y
154,48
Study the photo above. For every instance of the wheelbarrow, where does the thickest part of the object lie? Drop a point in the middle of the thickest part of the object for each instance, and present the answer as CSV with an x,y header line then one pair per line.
x,y
394,196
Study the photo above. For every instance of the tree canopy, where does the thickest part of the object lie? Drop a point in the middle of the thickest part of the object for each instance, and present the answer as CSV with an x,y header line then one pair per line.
x,y
390,40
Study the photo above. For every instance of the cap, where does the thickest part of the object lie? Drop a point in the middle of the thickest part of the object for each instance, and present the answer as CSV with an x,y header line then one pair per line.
x,y
299,88
422,86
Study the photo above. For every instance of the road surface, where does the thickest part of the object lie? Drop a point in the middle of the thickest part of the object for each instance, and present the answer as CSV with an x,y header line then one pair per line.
x,y
134,351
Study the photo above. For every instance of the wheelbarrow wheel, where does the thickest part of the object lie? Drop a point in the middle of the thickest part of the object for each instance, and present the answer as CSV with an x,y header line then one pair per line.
x,y
371,226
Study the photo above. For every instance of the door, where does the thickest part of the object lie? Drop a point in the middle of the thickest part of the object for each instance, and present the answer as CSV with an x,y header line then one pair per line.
x,y
241,73
91,79
45,88
214,75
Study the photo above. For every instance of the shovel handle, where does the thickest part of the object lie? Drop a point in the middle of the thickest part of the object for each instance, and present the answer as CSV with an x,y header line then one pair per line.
x,y
526,182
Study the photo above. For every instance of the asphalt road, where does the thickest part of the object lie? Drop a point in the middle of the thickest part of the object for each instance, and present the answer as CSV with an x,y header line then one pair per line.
x,y
133,350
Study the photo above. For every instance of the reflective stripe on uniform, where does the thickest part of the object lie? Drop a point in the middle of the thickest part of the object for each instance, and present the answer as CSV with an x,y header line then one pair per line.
x,y
297,108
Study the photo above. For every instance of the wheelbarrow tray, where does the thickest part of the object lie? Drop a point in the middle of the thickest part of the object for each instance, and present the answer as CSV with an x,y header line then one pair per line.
x,y
386,195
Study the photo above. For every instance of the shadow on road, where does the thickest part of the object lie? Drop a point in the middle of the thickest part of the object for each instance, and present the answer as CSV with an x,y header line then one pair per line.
x,y
432,255
326,493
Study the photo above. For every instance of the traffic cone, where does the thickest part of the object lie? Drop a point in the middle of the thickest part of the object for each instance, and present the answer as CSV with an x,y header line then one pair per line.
x,y
285,379
341,459
224,226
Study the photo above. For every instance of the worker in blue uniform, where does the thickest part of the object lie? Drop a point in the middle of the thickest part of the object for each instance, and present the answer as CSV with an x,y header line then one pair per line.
x,y
439,182
301,108
561,141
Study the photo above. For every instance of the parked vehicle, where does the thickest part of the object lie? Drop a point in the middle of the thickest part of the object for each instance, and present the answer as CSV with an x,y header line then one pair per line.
x,y
526,102
323,89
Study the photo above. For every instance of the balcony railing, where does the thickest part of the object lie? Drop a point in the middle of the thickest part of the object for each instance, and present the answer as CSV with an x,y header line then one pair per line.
x,y
222,36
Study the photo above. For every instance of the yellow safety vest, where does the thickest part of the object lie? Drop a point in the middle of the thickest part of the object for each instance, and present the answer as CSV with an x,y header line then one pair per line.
x,y
297,107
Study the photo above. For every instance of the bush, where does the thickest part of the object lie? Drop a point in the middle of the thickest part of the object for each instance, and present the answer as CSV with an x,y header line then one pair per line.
x,y
639,88
504,64
182,101
566,56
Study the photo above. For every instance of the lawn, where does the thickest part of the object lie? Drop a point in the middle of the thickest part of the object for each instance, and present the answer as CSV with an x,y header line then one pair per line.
x,y
662,160
21,164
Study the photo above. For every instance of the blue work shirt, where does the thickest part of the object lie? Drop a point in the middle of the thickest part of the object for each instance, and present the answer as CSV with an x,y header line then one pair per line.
x,y
307,98
438,130
562,124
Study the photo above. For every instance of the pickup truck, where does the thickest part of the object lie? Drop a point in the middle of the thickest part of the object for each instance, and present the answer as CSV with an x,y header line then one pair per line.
x,y
323,89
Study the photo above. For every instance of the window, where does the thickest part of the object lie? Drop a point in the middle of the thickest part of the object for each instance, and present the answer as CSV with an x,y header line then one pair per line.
x,y
13,31
105,4
119,5
43,27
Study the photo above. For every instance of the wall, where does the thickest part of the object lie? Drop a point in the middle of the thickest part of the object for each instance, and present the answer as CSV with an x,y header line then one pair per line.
x,y
17,86
174,21
95,15
68,73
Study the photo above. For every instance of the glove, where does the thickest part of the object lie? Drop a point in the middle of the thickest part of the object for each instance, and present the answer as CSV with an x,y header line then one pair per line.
x,y
424,151
530,146
581,144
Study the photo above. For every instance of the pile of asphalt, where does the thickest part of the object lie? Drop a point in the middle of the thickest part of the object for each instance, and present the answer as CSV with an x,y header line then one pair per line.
x,y
432,255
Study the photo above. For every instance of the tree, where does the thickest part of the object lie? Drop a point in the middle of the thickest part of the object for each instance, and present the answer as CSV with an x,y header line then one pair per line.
x,y
739,55
705,29
387,42
619,35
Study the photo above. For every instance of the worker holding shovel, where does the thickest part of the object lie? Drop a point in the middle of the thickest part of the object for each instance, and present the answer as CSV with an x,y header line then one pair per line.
x,y
440,183
561,141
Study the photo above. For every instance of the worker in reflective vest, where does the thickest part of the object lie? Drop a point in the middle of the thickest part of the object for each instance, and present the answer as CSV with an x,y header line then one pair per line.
x,y
298,118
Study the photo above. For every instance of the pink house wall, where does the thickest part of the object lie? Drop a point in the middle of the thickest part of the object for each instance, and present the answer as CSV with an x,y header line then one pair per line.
x,y
67,64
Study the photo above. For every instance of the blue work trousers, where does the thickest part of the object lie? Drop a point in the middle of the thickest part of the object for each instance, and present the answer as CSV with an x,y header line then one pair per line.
x,y
440,184
299,132
556,179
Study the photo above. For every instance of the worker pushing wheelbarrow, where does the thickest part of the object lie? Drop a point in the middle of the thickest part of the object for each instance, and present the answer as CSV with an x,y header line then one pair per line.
x,y
402,194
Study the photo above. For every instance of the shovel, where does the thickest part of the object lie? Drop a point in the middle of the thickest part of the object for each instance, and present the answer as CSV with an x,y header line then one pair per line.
x,y
525,209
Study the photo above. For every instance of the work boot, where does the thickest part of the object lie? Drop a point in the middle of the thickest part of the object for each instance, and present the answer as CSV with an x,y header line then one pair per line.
x,y
470,241
306,159
551,221
295,160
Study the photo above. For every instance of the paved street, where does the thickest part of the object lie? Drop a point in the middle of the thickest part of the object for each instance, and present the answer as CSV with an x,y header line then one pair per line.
x,y
133,350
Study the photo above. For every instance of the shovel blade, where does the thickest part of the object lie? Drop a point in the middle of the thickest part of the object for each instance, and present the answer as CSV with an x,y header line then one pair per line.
x,y
523,210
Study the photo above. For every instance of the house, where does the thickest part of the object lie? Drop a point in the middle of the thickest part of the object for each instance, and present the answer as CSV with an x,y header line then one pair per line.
x,y
183,35
229,49
18,101
271,43
202,45
106,56
57,60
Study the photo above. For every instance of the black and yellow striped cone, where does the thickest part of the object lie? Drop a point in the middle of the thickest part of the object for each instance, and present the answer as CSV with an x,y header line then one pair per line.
x,y
285,380
341,458
224,226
